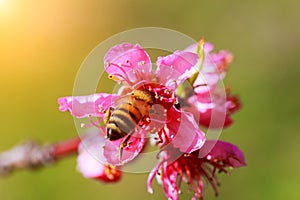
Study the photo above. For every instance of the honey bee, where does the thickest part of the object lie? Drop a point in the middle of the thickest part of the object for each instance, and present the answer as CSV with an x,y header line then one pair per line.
x,y
122,120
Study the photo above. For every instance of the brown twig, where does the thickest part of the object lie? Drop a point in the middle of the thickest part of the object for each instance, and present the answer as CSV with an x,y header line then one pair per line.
x,y
31,155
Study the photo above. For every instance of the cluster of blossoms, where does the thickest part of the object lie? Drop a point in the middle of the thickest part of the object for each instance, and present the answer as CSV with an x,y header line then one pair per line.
x,y
173,124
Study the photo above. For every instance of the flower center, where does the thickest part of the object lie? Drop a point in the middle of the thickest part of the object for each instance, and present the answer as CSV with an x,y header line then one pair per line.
x,y
162,94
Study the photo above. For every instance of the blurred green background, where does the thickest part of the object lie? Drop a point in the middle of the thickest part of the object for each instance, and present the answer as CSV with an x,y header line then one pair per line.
x,y
43,43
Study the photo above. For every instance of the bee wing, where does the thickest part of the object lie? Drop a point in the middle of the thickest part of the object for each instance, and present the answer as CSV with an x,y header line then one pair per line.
x,y
121,99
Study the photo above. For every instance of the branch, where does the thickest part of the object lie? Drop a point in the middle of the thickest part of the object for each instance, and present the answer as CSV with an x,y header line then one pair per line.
x,y
31,155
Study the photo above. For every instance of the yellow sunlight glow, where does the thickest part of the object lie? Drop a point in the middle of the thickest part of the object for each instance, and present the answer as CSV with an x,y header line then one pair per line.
x,y
2,3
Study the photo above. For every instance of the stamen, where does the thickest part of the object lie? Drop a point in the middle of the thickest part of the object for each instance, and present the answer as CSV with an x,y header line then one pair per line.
x,y
165,135
208,157
210,180
119,66
158,121
100,109
141,63
93,122
190,177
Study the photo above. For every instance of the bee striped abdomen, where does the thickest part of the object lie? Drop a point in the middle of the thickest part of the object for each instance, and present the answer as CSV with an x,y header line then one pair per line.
x,y
127,115
123,121
132,110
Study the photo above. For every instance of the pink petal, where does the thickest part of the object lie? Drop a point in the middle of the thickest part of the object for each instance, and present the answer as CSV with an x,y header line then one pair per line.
x,y
151,176
83,106
206,81
222,59
221,120
112,149
213,68
208,78
184,131
176,67
88,165
228,153
214,112
128,62
91,162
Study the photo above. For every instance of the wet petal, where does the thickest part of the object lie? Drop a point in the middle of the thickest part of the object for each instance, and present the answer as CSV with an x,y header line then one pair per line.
x,y
83,106
128,62
176,68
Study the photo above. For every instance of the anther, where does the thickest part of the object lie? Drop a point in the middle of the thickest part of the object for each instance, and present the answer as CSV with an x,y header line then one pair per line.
x,y
148,119
111,76
100,108
141,63
208,157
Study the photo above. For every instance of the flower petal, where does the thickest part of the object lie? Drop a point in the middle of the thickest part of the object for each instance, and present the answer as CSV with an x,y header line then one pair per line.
x,y
213,69
222,59
128,62
215,112
229,154
90,161
151,176
93,105
184,131
135,145
176,68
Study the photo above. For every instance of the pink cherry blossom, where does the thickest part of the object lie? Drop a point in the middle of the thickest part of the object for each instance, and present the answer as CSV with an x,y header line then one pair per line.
x,y
130,65
173,123
207,101
213,70
193,168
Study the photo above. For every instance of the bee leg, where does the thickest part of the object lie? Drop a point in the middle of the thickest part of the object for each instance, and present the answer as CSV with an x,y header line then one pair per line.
x,y
108,114
123,145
